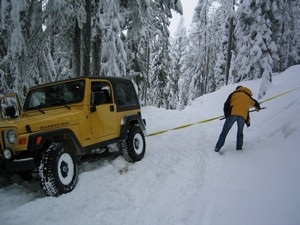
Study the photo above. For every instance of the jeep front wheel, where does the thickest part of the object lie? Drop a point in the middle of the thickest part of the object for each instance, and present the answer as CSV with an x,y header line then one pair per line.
x,y
58,170
134,146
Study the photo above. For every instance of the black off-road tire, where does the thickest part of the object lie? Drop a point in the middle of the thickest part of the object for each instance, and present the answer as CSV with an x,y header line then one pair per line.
x,y
134,147
58,170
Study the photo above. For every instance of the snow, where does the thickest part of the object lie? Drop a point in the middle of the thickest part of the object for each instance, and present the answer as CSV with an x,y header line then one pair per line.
x,y
181,180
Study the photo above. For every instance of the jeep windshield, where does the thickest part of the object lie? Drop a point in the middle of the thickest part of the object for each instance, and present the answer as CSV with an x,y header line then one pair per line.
x,y
59,94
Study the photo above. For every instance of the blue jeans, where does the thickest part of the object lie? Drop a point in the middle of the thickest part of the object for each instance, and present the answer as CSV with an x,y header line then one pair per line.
x,y
230,120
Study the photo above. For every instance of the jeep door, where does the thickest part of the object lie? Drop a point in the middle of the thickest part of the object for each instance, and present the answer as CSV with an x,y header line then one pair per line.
x,y
103,111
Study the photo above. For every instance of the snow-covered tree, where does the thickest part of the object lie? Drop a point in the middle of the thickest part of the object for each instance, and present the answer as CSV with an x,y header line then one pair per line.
x,y
113,55
178,53
200,49
159,77
27,58
224,19
138,40
147,35
286,33
256,49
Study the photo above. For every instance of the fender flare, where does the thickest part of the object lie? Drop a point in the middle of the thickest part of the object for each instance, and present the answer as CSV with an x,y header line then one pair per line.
x,y
129,121
38,140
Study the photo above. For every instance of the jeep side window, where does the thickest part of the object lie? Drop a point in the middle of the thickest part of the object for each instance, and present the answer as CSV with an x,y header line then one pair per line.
x,y
126,94
101,93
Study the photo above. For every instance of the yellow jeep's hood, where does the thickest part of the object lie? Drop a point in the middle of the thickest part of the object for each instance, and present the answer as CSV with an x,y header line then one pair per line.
x,y
47,119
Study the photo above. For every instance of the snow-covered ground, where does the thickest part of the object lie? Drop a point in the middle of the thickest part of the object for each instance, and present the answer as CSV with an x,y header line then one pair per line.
x,y
181,180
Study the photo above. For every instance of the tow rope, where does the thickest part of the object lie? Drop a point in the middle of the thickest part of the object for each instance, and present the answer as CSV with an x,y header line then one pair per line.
x,y
217,117
276,96
184,126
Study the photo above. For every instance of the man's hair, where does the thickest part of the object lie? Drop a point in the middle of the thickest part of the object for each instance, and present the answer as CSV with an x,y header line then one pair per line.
x,y
238,87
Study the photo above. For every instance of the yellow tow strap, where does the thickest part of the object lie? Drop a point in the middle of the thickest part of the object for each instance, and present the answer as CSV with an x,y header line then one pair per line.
x,y
276,96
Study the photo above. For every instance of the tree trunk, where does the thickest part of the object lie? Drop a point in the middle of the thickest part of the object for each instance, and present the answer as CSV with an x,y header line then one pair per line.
x,y
76,51
206,71
146,79
96,55
86,39
229,47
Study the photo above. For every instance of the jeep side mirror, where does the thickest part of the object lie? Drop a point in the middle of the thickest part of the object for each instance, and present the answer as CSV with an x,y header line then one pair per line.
x,y
10,106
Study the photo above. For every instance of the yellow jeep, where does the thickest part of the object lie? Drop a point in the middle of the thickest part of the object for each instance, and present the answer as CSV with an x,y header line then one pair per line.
x,y
62,122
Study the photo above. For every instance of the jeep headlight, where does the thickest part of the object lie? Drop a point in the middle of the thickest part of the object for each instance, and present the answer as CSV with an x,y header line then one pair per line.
x,y
11,136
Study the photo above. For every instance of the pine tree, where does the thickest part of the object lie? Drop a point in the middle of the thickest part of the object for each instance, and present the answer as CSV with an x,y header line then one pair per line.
x,y
113,55
286,33
147,33
177,59
256,49
222,66
200,50
27,59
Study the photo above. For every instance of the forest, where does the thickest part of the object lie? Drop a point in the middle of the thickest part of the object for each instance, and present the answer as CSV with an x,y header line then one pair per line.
x,y
229,41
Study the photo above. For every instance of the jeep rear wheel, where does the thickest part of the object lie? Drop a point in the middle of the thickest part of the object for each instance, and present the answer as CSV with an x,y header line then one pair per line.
x,y
58,170
135,146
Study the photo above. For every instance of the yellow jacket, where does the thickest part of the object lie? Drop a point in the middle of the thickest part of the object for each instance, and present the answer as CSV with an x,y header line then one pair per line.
x,y
240,103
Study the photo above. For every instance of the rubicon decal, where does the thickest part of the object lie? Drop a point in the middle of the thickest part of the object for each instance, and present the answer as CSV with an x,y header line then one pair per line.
x,y
54,125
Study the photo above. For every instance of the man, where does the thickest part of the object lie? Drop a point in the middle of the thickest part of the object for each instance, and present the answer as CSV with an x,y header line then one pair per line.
x,y
236,109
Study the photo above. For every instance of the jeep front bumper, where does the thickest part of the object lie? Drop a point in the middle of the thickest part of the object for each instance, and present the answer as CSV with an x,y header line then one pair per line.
x,y
17,165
